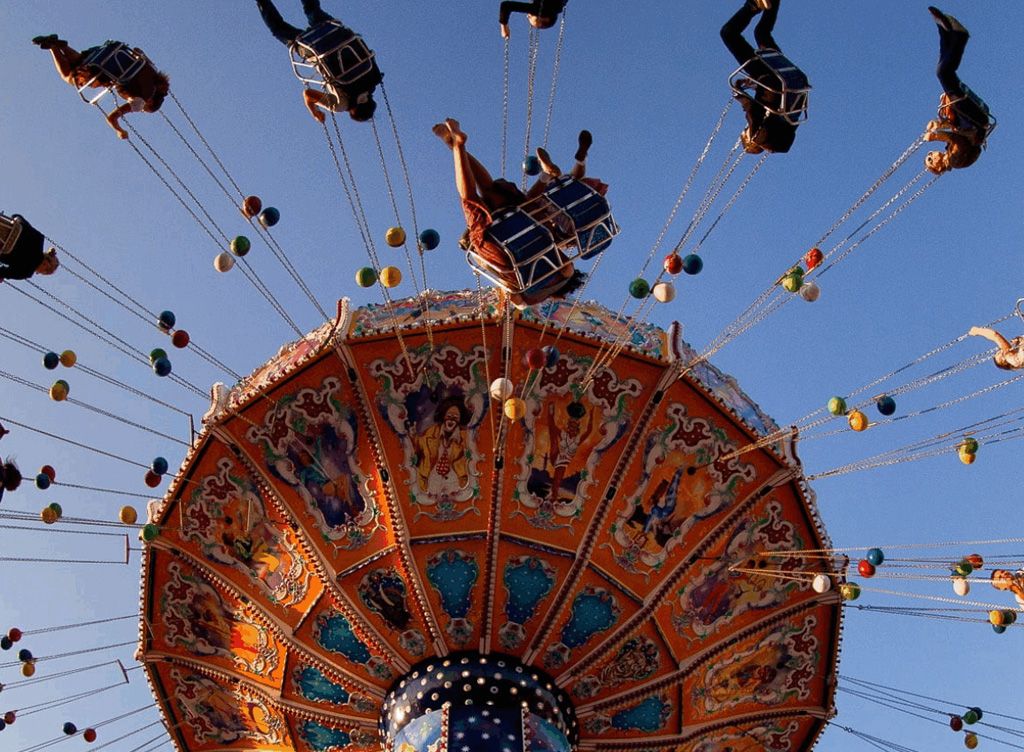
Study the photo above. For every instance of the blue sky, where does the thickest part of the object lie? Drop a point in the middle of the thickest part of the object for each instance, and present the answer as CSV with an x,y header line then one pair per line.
x,y
649,84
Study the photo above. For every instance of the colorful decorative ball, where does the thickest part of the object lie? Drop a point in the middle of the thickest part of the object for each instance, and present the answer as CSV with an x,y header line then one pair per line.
x,y
639,288
70,729
180,339
28,670
223,261
10,717
996,619
813,257
978,712
886,405
967,458
970,740
68,358
156,353
501,389
821,583
998,629
270,217
430,239
59,391
964,568
394,237
14,634
692,263
161,366
858,421
971,717
975,561
57,509
5,643
166,320
240,245
969,445
664,292
535,358
251,206
515,408
849,591
961,586
391,276
810,292
956,723
25,655
51,360
837,406
366,277
3,724
149,532
866,568
531,165
673,263
89,735
158,465
128,515
151,479
575,410
551,355
49,472
875,556
48,516
792,282
43,481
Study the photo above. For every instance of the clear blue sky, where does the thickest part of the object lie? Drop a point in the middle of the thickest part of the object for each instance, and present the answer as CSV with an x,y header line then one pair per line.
x,y
650,85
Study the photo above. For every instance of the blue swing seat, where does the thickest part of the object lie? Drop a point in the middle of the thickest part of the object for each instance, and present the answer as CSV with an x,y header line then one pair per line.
x,y
786,81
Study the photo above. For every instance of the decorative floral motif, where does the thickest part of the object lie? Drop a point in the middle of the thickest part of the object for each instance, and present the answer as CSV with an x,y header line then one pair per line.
x,y
771,736
220,716
635,661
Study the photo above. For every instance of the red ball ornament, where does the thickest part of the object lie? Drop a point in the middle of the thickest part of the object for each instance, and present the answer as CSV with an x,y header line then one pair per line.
x,y
673,263
975,561
10,717
813,257
180,338
251,206
49,472
956,723
152,479
536,358
866,568
14,634
89,735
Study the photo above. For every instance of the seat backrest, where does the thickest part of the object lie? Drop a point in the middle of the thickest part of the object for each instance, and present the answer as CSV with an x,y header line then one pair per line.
x,y
338,54
115,62
793,79
10,231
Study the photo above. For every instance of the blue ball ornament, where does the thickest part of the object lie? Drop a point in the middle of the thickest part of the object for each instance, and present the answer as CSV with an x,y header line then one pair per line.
x,y
159,465
692,263
886,405
42,481
6,643
161,366
166,320
998,628
552,355
70,729
24,655
51,360
430,239
875,556
270,217
531,165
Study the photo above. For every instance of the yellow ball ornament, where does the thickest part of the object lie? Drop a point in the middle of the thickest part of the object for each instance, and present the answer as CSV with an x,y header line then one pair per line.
x,y
394,237
390,276
49,515
28,670
967,458
128,515
515,408
858,421
68,358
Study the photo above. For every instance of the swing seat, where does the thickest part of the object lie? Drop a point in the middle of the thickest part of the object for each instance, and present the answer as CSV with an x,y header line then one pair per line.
x,y
543,236
333,53
784,83
10,231
113,64
968,113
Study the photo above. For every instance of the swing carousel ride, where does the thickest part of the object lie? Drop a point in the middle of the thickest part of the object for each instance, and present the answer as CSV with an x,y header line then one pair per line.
x,y
491,518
